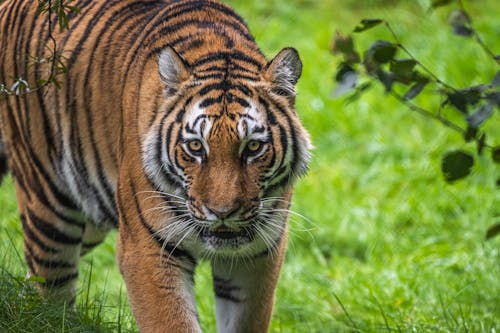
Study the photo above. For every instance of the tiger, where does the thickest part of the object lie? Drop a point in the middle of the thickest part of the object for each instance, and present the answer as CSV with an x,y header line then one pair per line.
x,y
168,124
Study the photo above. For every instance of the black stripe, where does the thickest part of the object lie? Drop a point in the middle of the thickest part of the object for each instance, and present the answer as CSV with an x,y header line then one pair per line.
x,y
224,85
179,253
47,263
91,245
223,289
240,101
49,231
29,236
59,282
225,55
271,118
3,166
211,101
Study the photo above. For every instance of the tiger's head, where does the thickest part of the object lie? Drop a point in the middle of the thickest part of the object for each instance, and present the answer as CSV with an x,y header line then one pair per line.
x,y
225,149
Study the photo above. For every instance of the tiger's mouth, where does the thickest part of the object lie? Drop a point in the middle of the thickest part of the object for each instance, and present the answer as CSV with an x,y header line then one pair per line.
x,y
227,237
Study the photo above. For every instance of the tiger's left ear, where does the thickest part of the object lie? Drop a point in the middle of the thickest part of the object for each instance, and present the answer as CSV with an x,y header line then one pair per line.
x,y
173,70
284,71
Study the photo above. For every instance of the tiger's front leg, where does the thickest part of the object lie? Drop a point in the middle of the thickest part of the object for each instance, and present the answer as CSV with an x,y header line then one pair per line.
x,y
244,291
158,276
52,247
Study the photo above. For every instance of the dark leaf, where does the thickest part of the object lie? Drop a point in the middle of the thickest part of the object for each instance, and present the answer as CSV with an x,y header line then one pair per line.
x,y
495,154
497,58
344,45
366,24
473,94
481,143
460,22
346,78
494,98
456,165
439,3
402,65
382,51
496,80
463,31
414,91
480,115
493,231
343,70
403,70
459,101
470,134
341,43
387,79
498,182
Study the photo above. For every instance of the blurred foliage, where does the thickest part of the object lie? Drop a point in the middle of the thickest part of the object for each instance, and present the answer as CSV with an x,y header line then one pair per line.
x,y
390,63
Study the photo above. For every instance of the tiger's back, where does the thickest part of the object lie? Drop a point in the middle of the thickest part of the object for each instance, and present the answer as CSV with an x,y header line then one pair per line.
x,y
165,97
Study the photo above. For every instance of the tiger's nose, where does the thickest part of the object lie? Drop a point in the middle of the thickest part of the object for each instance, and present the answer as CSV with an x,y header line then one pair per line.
x,y
224,212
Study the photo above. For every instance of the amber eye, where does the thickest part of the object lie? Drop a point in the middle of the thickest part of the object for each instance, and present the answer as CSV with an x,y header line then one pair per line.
x,y
195,146
254,146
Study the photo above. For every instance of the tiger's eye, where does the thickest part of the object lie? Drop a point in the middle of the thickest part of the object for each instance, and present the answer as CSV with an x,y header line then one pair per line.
x,y
195,145
254,146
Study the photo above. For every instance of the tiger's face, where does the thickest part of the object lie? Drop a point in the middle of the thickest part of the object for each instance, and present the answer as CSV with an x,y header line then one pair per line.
x,y
228,157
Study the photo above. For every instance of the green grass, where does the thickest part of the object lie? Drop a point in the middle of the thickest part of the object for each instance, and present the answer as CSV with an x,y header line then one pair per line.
x,y
389,246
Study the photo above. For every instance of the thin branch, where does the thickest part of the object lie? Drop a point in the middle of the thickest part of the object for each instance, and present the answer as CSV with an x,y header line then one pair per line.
x,y
477,37
427,70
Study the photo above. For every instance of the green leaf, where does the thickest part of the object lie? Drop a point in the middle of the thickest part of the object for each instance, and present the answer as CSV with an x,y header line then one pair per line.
x,y
456,165
36,278
493,231
414,91
495,154
366,24
480,115
72,8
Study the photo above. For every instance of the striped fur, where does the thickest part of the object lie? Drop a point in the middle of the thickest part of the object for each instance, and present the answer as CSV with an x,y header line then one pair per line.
x,y
171,125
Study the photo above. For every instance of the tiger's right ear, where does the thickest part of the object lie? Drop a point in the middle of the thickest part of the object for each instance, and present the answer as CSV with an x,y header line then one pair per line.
x,y
173,69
